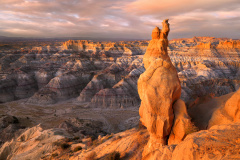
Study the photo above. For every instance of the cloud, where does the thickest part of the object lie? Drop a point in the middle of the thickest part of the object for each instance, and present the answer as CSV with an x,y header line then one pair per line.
x,y
175,7
215,24
118,19
219,18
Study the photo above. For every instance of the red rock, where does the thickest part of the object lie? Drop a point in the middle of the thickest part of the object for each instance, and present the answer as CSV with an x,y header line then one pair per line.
x,y
158,88
181,123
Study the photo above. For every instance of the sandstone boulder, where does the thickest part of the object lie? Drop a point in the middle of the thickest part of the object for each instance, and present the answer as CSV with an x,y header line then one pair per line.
x,y
181,123
216,111
219,142
228,113
161,153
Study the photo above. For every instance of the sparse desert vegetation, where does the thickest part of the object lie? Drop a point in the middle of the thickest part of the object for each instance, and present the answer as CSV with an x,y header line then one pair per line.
x,y
113,156
91,156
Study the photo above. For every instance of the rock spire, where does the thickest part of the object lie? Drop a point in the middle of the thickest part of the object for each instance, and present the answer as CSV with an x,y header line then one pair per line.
x,y
159,89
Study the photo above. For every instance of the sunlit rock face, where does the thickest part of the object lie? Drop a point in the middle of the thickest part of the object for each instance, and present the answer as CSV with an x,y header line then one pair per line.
x,y
210,111
182,122
159,88
36,140
157,47
115,49
202,145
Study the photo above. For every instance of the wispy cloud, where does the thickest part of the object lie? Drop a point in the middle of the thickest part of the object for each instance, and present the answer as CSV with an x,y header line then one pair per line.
x,y
119,19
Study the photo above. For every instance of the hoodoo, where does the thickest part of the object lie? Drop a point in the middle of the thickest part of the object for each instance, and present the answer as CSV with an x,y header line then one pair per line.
x,y
159,89
157,48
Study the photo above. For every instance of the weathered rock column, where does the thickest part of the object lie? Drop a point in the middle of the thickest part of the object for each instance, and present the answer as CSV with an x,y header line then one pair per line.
x,y
159,88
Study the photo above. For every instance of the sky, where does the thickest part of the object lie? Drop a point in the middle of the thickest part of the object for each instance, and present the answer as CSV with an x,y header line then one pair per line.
x,y
130,19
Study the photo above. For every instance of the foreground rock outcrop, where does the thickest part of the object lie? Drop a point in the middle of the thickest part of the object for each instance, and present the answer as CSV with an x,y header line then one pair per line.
x,y
182,123
34,143
129,144
219,142
215,111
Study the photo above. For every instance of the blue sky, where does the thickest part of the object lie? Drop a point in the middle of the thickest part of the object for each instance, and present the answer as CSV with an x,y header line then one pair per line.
x,y
119,18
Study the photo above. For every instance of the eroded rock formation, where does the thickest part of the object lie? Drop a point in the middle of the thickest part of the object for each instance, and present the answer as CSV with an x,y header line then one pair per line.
x,y
205,65
32,143
64,86
181,124
216,111
159,88
219,142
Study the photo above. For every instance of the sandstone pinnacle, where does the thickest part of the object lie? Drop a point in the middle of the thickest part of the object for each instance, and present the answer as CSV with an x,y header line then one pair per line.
x,y
159,88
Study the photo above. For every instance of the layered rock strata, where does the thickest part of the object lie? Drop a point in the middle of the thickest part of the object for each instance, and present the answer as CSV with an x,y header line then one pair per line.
x,y
116,86
205,65
66,85
21,83
98,83
121,95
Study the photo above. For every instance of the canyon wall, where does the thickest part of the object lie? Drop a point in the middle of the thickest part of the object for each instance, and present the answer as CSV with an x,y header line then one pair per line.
x,y
101,73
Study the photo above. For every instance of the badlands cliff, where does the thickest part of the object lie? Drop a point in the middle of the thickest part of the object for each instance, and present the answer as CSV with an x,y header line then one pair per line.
x,y
205,65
